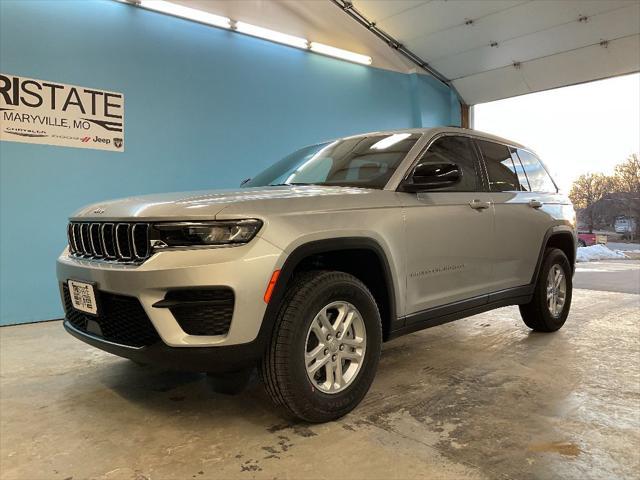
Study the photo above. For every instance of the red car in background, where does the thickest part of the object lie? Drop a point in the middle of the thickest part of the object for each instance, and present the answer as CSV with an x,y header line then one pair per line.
x,y
586,239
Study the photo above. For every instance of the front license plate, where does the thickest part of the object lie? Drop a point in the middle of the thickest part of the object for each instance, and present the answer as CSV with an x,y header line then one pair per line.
x,y
83,297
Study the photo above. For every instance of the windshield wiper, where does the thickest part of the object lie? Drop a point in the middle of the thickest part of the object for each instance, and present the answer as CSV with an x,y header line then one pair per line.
x,y
289,184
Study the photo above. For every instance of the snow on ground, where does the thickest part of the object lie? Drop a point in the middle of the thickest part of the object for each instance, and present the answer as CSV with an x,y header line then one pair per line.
x,y
598,252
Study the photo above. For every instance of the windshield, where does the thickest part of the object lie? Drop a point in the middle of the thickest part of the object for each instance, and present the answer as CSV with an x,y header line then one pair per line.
x,y
366,162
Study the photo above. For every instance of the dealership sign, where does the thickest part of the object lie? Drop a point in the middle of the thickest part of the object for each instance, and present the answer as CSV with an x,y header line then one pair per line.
x,y
37,111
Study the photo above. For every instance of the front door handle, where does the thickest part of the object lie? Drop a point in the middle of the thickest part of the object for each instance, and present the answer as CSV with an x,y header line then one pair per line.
x,y
535,203
479,204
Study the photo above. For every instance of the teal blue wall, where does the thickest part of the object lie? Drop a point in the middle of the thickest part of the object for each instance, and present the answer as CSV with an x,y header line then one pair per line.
x,y
204,108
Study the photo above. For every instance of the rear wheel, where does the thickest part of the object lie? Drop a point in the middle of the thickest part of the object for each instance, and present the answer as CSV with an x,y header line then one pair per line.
x,y
549,307
325,347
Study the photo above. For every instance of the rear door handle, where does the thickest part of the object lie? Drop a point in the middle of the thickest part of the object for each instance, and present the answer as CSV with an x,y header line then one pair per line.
x,y
479,204
535,203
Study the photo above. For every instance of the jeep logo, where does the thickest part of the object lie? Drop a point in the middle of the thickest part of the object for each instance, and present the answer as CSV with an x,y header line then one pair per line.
x,y
98,139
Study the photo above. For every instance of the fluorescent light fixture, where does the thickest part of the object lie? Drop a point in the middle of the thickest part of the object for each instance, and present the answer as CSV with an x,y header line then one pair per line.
x,y
339,53
389,141
207,18
272,35
186,12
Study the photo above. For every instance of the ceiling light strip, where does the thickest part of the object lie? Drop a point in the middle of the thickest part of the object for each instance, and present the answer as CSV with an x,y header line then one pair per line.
x,y
339,53
271,35
201,16
186,12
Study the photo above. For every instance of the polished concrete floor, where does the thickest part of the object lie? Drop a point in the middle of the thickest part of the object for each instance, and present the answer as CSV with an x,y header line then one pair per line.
x,y
478,398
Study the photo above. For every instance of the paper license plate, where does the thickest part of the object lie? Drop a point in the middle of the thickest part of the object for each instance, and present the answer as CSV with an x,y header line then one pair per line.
x,y
83,297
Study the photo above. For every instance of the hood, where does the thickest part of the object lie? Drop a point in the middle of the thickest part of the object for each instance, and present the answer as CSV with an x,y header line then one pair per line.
x,y
205,204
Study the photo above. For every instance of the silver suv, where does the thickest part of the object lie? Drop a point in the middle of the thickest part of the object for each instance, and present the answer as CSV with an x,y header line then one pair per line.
x,y
316,261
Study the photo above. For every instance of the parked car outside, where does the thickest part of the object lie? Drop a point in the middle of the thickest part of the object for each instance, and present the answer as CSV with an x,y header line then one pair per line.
x,y
320,258
586,239
624,224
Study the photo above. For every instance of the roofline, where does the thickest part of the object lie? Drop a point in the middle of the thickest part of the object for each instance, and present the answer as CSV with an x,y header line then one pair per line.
x,y
437,130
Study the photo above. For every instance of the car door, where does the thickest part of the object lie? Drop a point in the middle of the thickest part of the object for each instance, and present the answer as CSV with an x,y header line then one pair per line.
x,y
521,217
448,233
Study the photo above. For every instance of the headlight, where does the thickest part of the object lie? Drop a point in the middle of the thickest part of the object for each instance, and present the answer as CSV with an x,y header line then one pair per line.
x,y
187,234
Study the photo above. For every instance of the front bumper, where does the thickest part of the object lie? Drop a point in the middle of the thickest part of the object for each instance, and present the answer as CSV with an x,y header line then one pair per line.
x,y
245,269
205,359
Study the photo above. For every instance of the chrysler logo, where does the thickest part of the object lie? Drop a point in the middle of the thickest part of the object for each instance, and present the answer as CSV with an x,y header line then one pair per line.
x,y
99,211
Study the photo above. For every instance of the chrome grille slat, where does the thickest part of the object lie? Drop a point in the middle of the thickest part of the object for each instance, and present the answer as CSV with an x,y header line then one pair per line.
x,y
140,231
123,241
94,237
75,229
70,238
84,239
109,241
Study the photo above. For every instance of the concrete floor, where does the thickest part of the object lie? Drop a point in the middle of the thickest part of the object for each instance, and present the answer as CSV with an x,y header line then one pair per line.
x,y
611,276
478,398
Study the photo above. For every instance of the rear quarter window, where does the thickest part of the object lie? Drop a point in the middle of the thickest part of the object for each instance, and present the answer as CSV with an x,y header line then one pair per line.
x,y
539,179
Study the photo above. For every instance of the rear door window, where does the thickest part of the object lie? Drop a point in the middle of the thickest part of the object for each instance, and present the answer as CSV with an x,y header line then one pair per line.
x,y
500,167
539,179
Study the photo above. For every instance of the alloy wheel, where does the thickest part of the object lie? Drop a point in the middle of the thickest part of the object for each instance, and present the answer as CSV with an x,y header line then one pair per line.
x,y
556,290
335,347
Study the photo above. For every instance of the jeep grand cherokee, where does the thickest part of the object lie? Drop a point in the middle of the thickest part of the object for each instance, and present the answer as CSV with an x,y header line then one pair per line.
x,y
313,263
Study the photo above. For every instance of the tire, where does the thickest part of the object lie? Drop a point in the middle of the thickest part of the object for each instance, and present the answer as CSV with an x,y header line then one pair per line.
x,y
285,362
537,314
582,243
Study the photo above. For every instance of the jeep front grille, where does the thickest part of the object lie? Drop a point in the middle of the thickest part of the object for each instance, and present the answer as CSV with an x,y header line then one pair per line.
x,y
126,242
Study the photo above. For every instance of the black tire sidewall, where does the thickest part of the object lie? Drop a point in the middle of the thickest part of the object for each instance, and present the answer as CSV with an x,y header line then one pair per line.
x,y
337,404
554,257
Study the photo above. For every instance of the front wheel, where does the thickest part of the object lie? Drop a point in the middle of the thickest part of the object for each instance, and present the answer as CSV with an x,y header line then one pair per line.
x,y
325,347
548,309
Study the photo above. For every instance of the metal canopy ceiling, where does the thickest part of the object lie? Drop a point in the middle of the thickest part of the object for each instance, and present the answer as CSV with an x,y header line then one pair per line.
x,y
493,49
488,49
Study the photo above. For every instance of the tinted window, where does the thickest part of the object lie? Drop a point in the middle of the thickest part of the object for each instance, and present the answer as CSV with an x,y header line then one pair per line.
x,y
360,161
500,167
458,150
522,176
539,179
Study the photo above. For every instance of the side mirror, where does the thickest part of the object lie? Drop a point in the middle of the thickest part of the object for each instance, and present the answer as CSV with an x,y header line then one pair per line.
x,y
429,175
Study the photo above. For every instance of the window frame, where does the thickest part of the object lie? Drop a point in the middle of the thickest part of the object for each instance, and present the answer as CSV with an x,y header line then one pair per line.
x,y
482,185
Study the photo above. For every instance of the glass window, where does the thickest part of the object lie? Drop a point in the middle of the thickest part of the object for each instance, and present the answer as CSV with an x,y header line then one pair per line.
x,y
366,162
500,167
522,176
458,150
539,179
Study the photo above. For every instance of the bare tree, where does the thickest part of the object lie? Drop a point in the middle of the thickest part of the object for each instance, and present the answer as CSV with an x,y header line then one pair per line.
x,y
588,189
626,180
